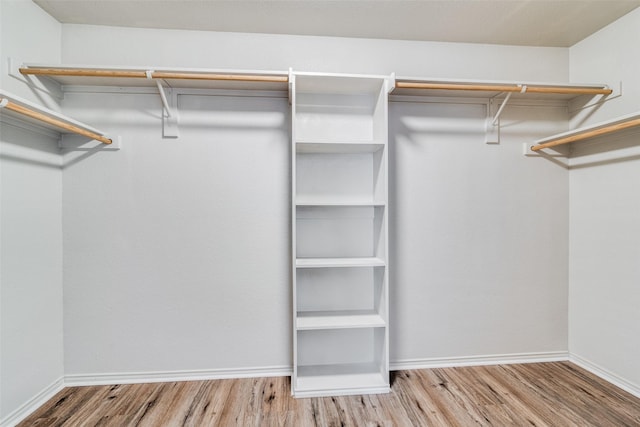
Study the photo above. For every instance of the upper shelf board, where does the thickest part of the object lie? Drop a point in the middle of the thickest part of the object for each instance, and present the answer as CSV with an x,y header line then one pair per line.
x,y
410,86
589,132
35,114
306,82
193,78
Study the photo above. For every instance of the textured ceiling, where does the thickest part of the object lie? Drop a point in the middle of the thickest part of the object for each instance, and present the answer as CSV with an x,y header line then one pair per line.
x,y
514,22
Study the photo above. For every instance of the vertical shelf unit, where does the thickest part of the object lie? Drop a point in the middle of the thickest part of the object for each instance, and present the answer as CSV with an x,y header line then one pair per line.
x,y
339,234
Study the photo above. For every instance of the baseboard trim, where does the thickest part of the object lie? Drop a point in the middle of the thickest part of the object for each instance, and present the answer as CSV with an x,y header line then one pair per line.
x,y
171,376
32,404
605,374
493,359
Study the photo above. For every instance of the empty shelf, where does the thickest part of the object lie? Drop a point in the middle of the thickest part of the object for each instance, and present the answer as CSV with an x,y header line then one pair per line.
x,y
339,262
342,379
309,202
338,147
338,319
588,132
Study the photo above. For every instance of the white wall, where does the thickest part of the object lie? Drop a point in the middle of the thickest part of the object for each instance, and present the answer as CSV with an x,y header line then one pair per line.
x,y
99,45
177,251
604,322
31,327
29,34
479,234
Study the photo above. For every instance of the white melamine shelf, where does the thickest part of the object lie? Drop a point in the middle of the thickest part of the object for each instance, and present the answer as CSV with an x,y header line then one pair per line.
x,y
191,78
337,203
589,132
338,147
45,117
419,86
339,262
318,380
310,320
339,228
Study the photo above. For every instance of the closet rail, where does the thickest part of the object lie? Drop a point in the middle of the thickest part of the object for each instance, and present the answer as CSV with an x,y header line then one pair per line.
x,y
142,74
6,103
576,135
521,88
406,83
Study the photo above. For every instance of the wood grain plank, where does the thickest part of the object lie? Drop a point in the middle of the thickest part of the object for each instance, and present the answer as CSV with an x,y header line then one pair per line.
x,y
542,394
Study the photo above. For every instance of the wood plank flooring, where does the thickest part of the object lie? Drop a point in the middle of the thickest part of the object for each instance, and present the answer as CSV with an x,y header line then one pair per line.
x,y
540,394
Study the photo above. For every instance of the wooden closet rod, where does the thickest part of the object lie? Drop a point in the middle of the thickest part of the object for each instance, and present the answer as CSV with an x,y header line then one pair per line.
x,y
142,74
588,134
53,121
154,74
504,88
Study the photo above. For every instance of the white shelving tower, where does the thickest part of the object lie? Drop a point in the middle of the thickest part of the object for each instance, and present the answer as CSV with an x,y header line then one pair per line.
x,y
339,235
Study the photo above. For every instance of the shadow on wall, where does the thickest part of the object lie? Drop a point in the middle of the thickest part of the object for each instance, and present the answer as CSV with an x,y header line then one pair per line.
x,y
21,144
621,147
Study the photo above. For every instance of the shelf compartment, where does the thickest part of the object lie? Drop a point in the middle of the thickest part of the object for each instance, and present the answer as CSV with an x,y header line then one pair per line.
x,y
339,108
349,360
341,177
330,380
310,320
360,289
335,232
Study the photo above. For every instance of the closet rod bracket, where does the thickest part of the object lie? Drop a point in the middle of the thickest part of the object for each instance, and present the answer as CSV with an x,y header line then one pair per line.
x,y
492,126
170,104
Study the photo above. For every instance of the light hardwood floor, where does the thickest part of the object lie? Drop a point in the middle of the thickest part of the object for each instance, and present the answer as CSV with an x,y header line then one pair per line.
x,y
540,394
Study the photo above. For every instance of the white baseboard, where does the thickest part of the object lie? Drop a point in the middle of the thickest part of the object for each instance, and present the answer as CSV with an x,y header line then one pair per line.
x,y
32,404
170,376
279,371
605,374
497,359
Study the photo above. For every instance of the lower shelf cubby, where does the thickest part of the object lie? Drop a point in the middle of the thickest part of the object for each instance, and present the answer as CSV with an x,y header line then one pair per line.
x,y
341,361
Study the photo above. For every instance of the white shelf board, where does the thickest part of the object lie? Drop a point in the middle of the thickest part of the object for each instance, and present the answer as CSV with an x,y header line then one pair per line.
x,y
590,128
340,379
488,94
338,147
339,262
173,83
303,202
347,319
42,110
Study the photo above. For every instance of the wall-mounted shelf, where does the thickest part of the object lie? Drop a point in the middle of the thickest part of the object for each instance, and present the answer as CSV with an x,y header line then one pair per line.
x,y
589,132
32,113
355,137
194,78
490,89
78,75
